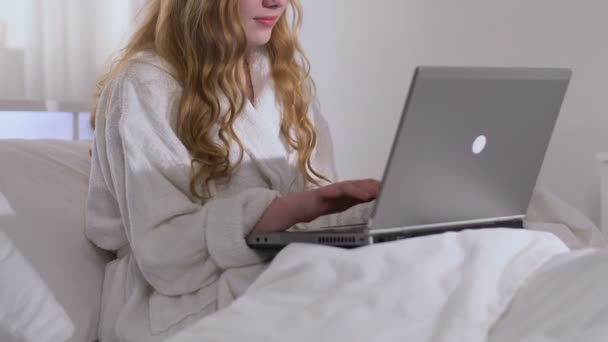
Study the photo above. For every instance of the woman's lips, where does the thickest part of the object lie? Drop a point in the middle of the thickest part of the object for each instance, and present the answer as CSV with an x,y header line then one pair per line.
x,y
266,21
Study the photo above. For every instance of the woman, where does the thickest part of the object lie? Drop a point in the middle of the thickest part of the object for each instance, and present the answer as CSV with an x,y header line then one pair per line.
x,y
205,132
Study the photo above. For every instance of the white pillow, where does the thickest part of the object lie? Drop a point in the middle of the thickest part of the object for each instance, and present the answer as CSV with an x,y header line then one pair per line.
x,y
551,214
45,183
28,309
603,164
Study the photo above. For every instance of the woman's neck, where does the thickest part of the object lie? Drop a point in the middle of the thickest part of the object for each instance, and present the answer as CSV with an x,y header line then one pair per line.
x,y
246,77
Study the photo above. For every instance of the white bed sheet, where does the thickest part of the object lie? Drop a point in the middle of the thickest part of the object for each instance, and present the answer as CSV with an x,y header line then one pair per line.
x,y
566,300
449,287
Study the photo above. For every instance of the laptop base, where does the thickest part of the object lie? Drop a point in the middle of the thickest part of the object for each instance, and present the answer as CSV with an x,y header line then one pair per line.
x,y
357,236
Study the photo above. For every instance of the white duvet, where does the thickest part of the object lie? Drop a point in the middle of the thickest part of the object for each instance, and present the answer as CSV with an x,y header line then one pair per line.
x,y
566,300
449,287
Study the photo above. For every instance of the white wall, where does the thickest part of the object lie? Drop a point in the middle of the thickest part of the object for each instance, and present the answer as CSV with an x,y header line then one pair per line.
x,y
363,54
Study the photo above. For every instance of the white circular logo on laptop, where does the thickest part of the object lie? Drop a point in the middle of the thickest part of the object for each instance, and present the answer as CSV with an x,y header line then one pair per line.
x,y
479,144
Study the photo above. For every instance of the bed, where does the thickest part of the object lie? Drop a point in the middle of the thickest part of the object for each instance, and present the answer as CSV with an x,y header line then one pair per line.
x,y
545,284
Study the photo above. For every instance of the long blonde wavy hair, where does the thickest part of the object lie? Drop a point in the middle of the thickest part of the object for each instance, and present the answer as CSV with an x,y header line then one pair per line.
x,y
203,41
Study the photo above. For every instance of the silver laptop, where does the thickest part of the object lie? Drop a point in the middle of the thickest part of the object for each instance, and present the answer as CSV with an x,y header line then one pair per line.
x,y
466,155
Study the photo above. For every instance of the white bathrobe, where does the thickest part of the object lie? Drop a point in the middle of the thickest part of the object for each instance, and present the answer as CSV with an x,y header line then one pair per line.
x,y
179,259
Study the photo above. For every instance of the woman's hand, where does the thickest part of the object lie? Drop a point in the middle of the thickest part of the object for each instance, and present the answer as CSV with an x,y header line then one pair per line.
x,y
335,198
306,206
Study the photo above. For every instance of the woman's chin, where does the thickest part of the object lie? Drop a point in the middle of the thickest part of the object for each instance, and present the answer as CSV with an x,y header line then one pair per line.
x,y
259,41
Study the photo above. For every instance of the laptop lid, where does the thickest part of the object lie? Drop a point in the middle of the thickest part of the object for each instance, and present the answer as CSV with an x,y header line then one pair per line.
x,y
469,146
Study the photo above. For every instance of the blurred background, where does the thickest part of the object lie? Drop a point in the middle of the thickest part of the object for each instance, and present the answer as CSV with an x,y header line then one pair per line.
x,y
50,55
363,55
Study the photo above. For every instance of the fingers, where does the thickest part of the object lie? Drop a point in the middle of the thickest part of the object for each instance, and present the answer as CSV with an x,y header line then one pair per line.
x,y
356,190
372,186
363,190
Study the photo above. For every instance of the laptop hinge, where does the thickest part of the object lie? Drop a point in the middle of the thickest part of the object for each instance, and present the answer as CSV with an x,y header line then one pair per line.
x,y
506,222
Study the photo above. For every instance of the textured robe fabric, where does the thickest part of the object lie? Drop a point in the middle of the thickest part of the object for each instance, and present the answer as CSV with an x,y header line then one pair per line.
x,y
178,258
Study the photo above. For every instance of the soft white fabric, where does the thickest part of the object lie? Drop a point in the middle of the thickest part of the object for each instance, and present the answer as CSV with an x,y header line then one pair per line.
x,y
449,287
44,184
180,259
564,301
5,207
603,168
549,213
28,309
